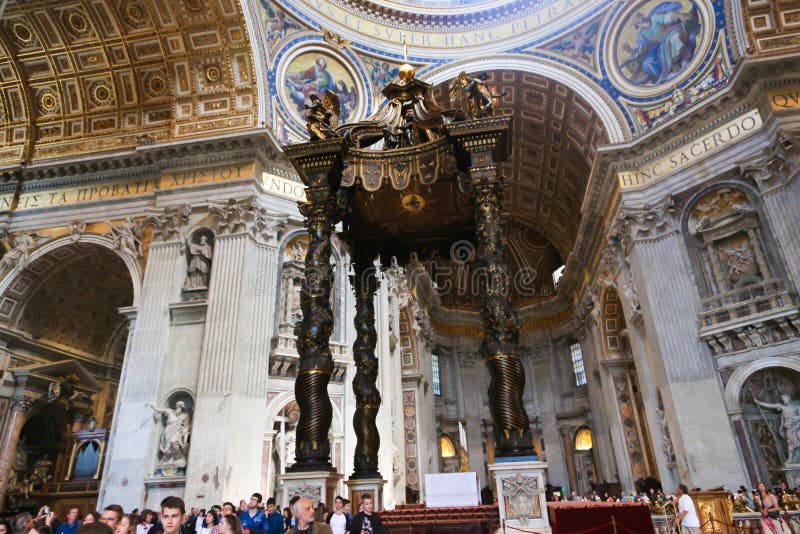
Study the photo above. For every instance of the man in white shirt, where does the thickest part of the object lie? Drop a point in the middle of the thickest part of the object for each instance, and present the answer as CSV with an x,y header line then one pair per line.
x,y
338,520
687,515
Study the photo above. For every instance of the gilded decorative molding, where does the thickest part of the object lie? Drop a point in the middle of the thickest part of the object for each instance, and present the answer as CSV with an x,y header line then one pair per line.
x,y
150,72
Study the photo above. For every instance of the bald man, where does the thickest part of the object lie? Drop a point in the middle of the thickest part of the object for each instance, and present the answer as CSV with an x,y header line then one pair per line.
x,y
304,519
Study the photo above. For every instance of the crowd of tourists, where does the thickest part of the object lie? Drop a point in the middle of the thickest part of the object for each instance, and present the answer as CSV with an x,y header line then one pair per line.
x,y
251,516
679,507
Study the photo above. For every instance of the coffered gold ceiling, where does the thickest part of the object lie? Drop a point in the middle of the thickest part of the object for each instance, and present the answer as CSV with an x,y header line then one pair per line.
x,y
772,27
84,76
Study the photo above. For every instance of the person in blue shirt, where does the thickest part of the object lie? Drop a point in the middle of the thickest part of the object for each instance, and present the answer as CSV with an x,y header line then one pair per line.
x,y
254,521
274,518
72,523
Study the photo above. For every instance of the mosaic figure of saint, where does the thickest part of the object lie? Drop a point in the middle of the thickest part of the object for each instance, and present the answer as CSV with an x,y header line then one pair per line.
x,y
317,79
666,42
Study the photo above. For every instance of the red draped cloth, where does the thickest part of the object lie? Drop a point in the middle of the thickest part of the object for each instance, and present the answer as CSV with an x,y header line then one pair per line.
x,y
596,517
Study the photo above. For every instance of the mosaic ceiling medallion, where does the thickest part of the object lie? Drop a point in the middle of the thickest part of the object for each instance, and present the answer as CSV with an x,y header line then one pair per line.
x,y
317,70
655,45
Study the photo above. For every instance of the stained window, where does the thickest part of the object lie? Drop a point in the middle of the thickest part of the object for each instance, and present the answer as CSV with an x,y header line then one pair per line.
x,y
577,364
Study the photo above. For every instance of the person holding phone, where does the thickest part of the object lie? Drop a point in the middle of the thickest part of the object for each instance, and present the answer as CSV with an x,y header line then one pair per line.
x,y
365,522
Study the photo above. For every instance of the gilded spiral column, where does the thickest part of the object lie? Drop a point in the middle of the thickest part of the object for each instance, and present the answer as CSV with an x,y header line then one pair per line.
x,y
500,324
480,146
316,362
368,399
319,164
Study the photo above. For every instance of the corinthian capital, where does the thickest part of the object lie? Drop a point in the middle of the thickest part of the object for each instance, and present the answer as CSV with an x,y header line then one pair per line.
x,y
168,222
776,165
650,221
265,226
246,216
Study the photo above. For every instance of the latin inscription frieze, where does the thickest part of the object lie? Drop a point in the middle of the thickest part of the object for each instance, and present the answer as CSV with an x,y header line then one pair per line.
x,y
714,141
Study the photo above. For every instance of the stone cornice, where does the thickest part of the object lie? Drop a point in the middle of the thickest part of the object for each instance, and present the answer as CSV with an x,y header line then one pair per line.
x,y
142,160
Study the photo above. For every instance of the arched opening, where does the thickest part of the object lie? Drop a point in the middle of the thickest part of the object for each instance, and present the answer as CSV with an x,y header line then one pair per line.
x,y
556,136
62,325
768,400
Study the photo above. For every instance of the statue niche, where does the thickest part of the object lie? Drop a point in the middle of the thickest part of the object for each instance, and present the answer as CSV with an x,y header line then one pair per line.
x,y
173,446
199,252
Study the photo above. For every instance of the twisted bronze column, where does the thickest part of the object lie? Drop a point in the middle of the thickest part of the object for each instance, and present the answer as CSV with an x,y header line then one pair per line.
x,y
368,398
500,324
316,362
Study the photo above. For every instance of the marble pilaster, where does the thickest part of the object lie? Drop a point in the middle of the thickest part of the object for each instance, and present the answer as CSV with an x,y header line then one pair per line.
x,y
134,437
775,172
602,446
566,439
473,404
661,271
232,383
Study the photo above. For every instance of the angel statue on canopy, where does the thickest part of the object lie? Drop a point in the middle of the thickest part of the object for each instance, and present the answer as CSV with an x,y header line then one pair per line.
x,y
323,116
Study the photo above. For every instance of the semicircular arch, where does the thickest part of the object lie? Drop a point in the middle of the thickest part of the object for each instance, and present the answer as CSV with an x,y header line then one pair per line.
x,y
132,265
740,376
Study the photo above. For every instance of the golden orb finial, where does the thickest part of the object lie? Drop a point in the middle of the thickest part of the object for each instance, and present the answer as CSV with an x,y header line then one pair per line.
x,y
406,73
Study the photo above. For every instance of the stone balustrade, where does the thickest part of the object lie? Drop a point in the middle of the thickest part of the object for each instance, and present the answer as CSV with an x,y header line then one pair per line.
x,y
749,317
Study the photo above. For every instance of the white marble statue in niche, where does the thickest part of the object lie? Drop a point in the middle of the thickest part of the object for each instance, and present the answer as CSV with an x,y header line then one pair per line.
x,y
790,424
173,446
200,249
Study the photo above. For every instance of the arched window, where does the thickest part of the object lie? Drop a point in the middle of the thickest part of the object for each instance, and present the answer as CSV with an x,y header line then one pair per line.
x,y
583,440
448,448
577,364
437,377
